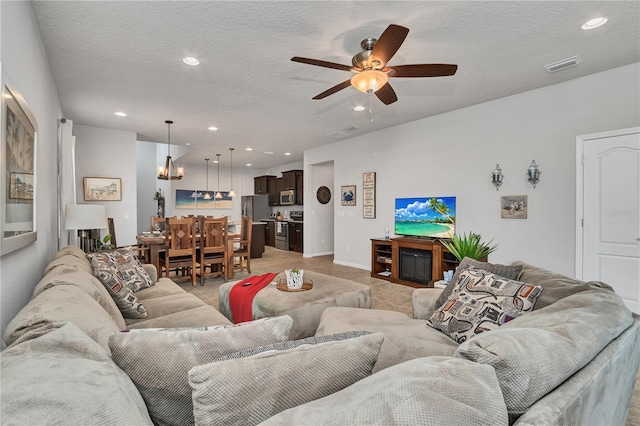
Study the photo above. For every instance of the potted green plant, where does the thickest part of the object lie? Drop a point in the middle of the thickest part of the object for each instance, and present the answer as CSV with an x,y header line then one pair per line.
x,y
469,245
104,244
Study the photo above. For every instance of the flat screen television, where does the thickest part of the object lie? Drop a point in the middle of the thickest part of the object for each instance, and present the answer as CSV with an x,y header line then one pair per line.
x,y
428,217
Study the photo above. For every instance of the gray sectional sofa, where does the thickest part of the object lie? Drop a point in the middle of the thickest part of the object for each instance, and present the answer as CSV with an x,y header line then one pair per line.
x,y
572,360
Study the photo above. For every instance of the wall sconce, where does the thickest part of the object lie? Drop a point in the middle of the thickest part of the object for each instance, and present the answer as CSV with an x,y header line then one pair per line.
x,y
497,176
533,173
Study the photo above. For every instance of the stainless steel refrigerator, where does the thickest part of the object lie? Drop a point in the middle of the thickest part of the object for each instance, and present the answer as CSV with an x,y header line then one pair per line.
x,y
256,206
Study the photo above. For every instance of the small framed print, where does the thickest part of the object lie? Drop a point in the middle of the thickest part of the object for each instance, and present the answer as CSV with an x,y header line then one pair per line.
x,y
348,195
102,189
21,186
513,207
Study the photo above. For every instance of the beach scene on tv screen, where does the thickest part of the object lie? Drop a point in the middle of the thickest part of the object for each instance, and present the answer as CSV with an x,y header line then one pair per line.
x,y
433,217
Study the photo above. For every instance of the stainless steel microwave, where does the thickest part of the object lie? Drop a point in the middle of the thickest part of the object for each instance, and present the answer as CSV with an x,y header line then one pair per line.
x,y
287,198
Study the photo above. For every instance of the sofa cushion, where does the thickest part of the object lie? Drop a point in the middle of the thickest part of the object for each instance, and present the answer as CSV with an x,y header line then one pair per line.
x,y
404,338
562,337
125,263
74,276
158,360
63,303
167,305
69,260
249,390
431,391
63,377
201,316
555,286
481,302
73,251
163,287
510,272
127,302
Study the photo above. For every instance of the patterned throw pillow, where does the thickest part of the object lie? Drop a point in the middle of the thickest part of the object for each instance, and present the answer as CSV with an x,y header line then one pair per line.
x,y
480,302
109,276
131,271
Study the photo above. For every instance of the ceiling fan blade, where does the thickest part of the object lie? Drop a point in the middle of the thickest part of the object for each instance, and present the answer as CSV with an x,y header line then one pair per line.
x,y
388,44
422,70
333,90
320,63
386,94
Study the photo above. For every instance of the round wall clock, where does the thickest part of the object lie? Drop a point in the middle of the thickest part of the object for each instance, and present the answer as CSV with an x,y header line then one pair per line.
x,y
323,195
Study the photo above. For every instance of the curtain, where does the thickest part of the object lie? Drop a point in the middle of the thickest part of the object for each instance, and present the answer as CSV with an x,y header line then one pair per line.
x,y
66,179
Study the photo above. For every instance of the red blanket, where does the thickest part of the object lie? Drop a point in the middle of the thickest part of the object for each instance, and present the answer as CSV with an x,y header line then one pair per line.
x,y
242,294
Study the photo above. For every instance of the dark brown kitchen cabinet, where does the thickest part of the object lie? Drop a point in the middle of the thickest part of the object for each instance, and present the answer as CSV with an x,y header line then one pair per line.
x,y
270,233
296,237
299,189
289,179
278,189
261,184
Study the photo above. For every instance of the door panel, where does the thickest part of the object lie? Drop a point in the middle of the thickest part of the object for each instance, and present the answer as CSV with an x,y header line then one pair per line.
x,y
611,244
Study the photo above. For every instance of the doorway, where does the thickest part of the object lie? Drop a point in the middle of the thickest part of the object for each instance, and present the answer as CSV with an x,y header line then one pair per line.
x,y
608,211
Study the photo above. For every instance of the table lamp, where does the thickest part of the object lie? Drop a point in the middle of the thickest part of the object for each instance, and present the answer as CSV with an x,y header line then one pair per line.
x,y
87,219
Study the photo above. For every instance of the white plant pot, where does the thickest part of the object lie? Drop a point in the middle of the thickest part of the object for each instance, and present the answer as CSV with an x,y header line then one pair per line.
x,y
294,279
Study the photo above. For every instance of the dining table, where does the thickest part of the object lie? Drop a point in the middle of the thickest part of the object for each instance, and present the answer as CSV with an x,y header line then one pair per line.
x,y
156,244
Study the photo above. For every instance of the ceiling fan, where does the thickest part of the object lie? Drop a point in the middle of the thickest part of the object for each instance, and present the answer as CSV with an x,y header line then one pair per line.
x,y
371,70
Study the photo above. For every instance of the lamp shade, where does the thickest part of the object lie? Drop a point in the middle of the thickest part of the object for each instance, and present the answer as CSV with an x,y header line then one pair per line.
x,y
85,216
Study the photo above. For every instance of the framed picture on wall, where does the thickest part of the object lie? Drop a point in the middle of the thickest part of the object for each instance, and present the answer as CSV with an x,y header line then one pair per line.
x,y
348,195
369,195
102,189
18,176
513,207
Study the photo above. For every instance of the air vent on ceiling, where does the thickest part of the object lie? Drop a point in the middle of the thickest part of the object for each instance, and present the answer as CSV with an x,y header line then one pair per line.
x,y
564,64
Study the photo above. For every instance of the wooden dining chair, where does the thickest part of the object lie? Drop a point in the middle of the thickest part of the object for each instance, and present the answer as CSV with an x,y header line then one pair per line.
x,y
180,247
243,252
212,247
157,220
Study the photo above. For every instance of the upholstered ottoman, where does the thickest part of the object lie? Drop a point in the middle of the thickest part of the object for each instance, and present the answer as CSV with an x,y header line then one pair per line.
x,y
305,307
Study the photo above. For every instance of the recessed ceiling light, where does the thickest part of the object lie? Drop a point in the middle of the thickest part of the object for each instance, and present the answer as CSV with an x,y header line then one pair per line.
x,y
358,108
191,61
249,164
248,149
287,153
213,128
594,23
188,144
121,114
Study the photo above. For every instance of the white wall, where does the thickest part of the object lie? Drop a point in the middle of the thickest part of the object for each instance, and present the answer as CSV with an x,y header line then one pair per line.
x,y
453,154
25,67
110,153
147,184
319,238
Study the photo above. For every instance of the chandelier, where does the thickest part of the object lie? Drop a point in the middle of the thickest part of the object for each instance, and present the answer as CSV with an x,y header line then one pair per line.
x,y
169,171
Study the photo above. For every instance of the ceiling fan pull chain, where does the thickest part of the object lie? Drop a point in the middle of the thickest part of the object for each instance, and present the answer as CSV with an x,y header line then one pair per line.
x,y
370,104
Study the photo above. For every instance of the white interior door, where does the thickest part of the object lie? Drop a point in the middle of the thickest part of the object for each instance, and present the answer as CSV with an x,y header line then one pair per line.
x,y
611,206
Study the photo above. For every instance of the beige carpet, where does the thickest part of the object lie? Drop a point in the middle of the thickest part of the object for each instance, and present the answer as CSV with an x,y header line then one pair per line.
x,y
384,295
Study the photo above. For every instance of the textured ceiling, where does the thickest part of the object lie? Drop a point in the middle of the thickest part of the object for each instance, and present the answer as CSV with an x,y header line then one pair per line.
x,y
126,56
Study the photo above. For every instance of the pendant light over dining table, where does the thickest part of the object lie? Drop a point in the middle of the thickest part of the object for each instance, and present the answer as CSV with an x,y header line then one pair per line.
x,y
207,196
231,193
169,171
218,194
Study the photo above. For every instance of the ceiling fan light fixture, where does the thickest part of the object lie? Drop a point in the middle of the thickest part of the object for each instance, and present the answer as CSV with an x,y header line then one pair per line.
x,y
368,80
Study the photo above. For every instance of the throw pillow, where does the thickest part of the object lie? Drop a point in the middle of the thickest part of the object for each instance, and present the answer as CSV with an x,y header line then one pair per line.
x,y
511,272
482,301
247,391
125,262
428,391
158,360
109,276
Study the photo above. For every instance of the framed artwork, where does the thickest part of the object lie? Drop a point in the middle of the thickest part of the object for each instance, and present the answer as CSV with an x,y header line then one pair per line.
x,y
513,207
369,195
102,189
348,195
18,177
194,199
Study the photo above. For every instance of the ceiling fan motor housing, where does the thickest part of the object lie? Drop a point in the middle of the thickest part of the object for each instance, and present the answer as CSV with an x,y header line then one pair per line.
x,y
360,60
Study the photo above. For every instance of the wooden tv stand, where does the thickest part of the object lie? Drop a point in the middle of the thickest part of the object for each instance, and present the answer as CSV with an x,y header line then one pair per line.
x,y
385,255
